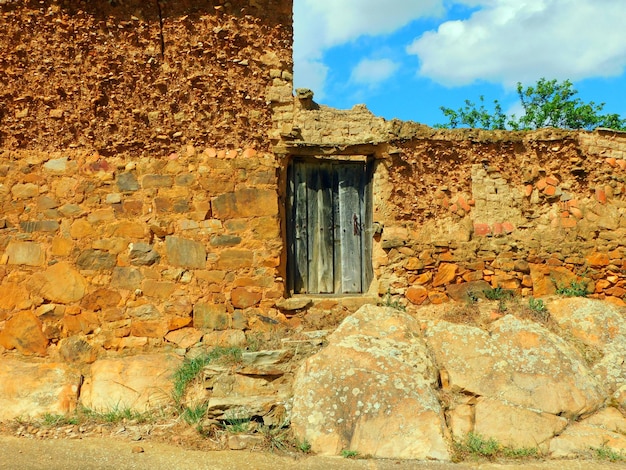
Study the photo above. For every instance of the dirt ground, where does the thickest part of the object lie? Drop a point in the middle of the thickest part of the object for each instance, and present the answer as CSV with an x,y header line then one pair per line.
x,y
104,453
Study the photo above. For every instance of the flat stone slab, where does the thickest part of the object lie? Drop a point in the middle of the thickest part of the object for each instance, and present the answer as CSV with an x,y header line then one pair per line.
x,y
29,389
139,383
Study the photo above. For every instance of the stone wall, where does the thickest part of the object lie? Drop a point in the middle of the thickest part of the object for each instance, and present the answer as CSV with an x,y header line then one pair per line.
x,y
530,212
143,157
137,183
467,210
122,77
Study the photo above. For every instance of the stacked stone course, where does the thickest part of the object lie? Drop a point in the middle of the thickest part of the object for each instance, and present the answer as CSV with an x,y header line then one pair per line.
x,y
129,251
560,218
143,200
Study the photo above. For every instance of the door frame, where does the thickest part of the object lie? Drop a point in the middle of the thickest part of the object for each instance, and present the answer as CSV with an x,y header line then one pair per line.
x,y
366,230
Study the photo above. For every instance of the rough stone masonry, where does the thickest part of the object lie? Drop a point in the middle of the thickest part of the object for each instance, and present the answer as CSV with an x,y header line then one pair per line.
x,y
144,153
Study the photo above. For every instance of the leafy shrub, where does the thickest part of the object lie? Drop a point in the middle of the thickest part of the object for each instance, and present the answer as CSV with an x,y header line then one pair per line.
x,y
574,289
498,293
349,454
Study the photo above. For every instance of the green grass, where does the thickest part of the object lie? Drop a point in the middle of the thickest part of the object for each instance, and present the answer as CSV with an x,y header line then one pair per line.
x,y
477,446
117,414
536,305
190,368
303,446
498,293
538,310
389,301
606,453
193,415
520,452
277,439
237,421
51,420
349,454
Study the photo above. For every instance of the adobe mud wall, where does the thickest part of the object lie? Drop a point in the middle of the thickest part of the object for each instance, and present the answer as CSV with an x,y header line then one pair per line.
x,y
459,211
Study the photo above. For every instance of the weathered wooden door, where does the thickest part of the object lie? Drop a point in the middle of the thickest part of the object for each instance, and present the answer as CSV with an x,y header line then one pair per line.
x,y
329,232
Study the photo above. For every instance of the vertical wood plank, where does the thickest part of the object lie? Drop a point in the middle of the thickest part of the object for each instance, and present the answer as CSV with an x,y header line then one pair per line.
x,y
367,270
300,220
290,213
350,197
319,200
336,230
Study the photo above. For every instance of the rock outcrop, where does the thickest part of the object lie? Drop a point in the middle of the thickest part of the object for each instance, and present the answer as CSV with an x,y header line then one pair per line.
x,y
388,383
372,389
28,390
137,383
375,378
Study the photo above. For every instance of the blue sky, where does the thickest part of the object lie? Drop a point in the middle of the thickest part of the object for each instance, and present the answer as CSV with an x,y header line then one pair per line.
x,y
406,58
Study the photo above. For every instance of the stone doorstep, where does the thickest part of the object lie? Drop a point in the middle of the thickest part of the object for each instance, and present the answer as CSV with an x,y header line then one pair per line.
x,y
349,301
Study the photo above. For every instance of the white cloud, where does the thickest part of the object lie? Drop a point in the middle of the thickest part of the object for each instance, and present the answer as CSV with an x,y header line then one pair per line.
x,y
322,24
512,40
372,72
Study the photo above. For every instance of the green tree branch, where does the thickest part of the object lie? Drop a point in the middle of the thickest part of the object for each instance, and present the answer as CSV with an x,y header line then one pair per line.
x,y
546,104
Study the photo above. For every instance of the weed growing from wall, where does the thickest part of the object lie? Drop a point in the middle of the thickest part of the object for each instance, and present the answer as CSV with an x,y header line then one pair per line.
x,y
389,301
573,289
190,368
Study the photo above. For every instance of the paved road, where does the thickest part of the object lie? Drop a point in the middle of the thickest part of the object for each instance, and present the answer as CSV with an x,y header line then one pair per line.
x,y
114,454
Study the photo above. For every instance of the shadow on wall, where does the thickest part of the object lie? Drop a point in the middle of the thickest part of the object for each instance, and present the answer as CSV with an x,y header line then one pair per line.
x,y
271,12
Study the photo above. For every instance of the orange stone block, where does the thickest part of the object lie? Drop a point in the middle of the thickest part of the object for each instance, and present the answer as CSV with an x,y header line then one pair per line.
x,y
570,222
508,227
423,278
481,229
445,274
416,294
622,164
447,256
616,291
615,301
598,259
437,298
473,276
249,153
528,190
549,190
463,204
601,285
552,181
178,322
576,212
24,333
611,161
601,195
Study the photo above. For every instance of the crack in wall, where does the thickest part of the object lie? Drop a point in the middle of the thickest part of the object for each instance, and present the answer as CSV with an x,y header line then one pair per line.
x,y
158,5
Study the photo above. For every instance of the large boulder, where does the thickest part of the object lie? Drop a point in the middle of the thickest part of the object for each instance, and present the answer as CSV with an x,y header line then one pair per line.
x,y
516,361
30,389
599,327
371,390
139,383
526,382
604,430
